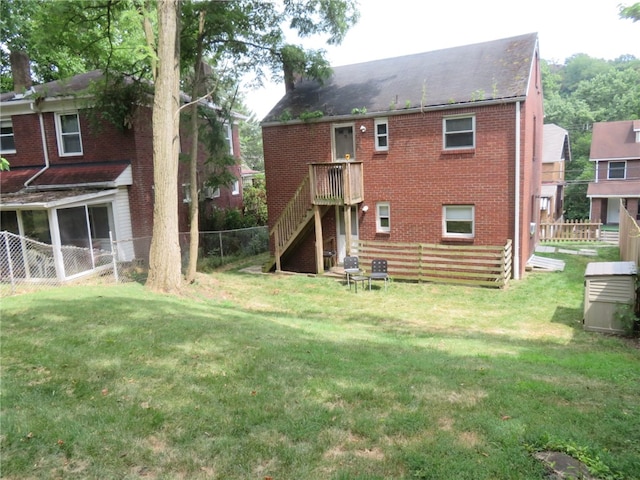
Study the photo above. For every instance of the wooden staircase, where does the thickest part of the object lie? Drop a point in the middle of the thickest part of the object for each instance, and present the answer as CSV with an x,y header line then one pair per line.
x,y
327,184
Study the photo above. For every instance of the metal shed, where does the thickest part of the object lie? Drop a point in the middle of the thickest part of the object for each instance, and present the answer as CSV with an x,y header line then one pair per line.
x,y
607,286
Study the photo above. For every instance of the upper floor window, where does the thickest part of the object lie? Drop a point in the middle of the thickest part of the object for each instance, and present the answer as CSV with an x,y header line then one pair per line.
x,y
383,217
235,189
68,131
7,144
459,132
186,192
228,136
458,221
617,171
382,134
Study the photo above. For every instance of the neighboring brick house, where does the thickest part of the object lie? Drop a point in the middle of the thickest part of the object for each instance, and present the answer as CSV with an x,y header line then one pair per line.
x,y
73,181
442,147
615,150
556,154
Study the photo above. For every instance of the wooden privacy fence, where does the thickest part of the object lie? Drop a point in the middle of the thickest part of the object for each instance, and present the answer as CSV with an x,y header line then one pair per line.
x,y
570,231
629,238
484,266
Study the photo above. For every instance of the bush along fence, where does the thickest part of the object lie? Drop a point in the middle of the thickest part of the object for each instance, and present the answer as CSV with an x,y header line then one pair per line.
x,y
487,266
26,264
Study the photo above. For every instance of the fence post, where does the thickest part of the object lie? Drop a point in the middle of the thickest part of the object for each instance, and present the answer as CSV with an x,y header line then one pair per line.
x,y
220,242
6,245
113,256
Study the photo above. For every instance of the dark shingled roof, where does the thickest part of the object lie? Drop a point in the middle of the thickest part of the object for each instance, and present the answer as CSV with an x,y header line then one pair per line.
x,y
615,140
74,85
12,181
496,70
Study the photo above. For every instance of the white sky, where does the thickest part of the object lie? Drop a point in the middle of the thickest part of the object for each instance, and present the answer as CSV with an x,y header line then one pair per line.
x,y
390,28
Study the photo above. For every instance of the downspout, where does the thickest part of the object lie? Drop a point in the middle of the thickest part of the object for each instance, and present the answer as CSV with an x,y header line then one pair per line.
x,y
44,149
516,229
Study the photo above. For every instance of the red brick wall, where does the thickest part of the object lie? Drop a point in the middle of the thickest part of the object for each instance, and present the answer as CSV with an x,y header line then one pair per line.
x,y
416,176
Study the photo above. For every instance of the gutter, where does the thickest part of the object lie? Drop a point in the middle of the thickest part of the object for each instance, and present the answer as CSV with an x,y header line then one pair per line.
x,y
399,111
516,228
70,186
44,149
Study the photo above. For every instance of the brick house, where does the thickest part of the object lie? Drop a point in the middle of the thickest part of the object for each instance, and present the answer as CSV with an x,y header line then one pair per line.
x,y
615,150
556,154
73,180
442,147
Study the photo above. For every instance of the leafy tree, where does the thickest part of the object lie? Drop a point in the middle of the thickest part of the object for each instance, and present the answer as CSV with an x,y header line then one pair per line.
x,y
581,67
631,12
255,200
164,256
251,143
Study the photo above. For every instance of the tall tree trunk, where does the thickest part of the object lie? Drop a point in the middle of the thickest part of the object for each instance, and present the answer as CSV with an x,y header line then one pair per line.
x,y
164,257
194,237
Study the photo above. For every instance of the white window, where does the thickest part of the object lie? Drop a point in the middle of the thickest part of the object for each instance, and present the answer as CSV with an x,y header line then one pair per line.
x,y
186,193
458,221
7,144
382,134
459,132
236,188
68,130
617,171
228,136
210,192
383,217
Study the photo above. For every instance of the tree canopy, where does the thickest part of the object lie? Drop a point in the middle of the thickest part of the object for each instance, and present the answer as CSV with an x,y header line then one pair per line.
x,y
578,93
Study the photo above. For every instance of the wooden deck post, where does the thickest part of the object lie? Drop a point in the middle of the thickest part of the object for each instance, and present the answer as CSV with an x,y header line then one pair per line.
x,y
347,228
276,240
319,243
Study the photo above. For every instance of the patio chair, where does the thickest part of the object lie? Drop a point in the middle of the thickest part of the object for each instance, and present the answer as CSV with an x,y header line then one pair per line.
x,y
351,268
379,272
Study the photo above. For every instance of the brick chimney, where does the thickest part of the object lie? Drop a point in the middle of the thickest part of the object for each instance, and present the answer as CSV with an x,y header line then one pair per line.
x,y
20,71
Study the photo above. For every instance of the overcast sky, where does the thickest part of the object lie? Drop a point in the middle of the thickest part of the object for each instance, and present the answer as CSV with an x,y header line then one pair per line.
x,y
389,28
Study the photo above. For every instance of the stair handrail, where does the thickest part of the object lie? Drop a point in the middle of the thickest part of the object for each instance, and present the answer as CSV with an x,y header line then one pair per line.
x,y
293,214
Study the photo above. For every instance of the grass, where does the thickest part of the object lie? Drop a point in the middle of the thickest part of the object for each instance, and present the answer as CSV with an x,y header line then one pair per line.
x,y
263,376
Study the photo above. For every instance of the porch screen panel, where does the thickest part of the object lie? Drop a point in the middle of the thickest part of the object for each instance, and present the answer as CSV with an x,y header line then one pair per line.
x,y
36,225
73,227
74,232
100,221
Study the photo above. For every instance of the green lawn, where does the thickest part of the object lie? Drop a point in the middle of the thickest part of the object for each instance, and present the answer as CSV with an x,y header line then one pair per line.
x,y
294,377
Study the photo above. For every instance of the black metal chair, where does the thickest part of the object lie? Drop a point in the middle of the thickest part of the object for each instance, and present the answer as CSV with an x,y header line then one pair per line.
x,y
379,272
351,268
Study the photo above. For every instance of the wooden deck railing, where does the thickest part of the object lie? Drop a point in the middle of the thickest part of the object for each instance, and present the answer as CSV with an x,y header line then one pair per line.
x,y
487,266
570,231
337,183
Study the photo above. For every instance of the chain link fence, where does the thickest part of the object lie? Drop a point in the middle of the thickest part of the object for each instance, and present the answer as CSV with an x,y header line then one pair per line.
x,y
26,264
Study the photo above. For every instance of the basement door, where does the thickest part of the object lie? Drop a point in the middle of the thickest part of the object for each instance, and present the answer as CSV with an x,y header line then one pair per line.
x,y
342,238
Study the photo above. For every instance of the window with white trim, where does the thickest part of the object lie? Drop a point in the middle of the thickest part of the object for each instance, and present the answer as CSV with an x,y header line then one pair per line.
x,y
382,134
68,132
383,217
458,221
459,132
617,171
186,193
235,190
7,143
228,137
